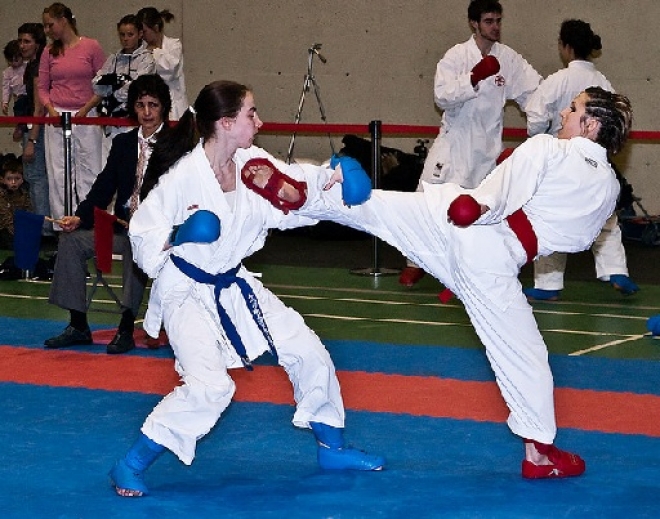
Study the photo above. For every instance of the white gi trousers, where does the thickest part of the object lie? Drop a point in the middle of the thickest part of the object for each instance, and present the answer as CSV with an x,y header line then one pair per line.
x,y
609,255
202,358
480,264
86,154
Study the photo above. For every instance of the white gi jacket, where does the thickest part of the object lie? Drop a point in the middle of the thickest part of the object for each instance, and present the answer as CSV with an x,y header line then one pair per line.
x,y
566,187
557,91
470,137
191,185
169,65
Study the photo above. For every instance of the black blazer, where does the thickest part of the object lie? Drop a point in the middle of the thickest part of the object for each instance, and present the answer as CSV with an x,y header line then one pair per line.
x,y
118,177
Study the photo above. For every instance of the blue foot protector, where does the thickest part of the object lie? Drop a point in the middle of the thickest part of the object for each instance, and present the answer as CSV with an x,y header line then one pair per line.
x,y
332,455
127,472
653,325
538,294
125,478
348,458
624,284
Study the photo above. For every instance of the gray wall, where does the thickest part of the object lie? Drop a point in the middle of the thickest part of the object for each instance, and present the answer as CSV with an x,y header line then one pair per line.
x,y
381,57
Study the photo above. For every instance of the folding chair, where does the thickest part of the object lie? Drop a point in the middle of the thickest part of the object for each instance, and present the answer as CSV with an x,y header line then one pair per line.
x,y
103,237
100,281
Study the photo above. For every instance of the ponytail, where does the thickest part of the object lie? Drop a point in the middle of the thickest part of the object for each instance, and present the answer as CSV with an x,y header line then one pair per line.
x,y
215,101
172,144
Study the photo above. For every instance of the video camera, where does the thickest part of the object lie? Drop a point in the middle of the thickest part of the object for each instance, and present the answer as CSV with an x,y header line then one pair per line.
x,y
116,81
108,105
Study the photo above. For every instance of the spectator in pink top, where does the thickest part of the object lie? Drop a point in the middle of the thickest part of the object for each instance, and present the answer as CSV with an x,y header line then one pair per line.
x,y
66,70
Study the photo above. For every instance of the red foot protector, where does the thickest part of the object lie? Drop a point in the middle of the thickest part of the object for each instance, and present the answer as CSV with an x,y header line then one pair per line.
x,y
464,211
411,275
445,296
506,153
563,464
285,193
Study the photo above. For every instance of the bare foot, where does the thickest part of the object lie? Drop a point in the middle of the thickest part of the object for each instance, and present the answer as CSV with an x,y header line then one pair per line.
x,y
533,455
125,492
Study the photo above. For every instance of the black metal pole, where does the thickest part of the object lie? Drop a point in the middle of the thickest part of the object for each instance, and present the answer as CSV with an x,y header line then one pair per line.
x,y
375,128
68,191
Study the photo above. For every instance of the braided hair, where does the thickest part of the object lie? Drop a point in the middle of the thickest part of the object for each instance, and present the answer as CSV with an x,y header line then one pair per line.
x,y
614,112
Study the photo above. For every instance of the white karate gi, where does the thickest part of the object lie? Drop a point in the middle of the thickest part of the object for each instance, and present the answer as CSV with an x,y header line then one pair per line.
x,y
470,137
567,190
169,65
554,94
188,309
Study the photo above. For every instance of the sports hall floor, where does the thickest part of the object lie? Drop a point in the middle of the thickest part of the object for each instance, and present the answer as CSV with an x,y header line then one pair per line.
x,y
417,389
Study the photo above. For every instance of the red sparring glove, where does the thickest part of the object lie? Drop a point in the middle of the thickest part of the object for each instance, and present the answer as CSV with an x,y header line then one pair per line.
x,y
506,153
488,66
464,211
285,193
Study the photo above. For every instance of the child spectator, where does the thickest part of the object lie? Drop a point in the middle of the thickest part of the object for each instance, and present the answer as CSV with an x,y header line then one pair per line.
x,y
13,88
14,194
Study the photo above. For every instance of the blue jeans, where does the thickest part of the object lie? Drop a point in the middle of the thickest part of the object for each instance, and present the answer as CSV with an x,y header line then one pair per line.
x,y
36,176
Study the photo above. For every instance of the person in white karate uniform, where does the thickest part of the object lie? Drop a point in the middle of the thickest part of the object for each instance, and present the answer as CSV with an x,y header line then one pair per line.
x,y
473,82
217,315
552,194
168,55
577,45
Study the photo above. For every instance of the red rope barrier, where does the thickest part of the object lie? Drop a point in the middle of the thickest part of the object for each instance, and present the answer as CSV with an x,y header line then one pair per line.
x,y
57,121
391,130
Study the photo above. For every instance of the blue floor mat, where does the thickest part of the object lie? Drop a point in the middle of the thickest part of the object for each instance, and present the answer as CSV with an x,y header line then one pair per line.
x,y
60,443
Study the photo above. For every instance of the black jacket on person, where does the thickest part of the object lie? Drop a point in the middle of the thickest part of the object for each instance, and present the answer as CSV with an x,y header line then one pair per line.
x,y
118,177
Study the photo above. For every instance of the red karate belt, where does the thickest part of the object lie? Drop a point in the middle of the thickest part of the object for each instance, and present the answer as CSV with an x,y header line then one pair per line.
x,y
524,231
519,224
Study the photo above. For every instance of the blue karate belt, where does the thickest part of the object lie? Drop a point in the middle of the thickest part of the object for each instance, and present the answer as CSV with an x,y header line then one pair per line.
x,y
220,282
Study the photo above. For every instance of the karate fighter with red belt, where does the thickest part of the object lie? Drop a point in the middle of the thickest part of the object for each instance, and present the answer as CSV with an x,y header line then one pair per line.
x,y
552,194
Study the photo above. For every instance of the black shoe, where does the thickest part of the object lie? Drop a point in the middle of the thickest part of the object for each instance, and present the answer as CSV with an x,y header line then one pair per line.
x,y
69,337
121,343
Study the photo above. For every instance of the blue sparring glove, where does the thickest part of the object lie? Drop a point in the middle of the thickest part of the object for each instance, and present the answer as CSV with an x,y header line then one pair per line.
x,y
200,227
653,325
356,187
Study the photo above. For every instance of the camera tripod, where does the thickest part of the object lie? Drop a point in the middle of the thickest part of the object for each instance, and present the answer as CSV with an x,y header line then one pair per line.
x,y
310,82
